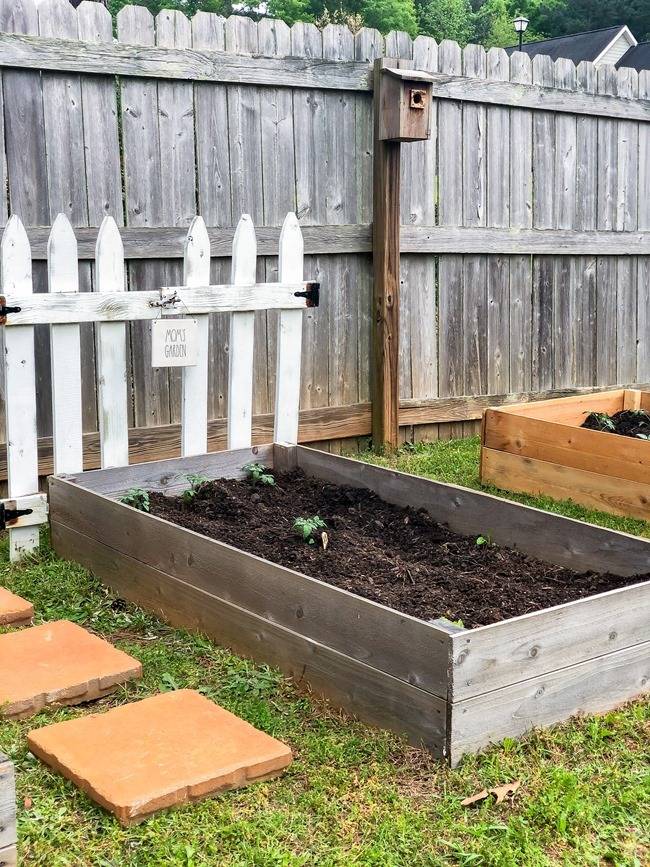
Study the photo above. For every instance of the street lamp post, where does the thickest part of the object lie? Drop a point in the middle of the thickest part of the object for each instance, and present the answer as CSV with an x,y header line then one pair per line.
x,y
521,24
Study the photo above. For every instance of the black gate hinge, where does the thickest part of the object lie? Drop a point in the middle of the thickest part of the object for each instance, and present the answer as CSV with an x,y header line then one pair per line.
x,y
311,293
8,516
4,310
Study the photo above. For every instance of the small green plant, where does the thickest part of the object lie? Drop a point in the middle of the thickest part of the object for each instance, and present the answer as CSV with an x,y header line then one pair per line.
x,y
196,483
484,540
306,527
603,421
258,475
137,498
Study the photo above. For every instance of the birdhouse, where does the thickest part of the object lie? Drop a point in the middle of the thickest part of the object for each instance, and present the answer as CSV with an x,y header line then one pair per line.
x,y
405,104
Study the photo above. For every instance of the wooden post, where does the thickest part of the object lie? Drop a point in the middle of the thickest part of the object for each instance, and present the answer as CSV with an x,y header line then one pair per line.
x,y
384,370
402,112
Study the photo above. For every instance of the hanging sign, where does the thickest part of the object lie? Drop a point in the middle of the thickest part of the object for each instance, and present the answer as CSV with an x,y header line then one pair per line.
x,y
174,343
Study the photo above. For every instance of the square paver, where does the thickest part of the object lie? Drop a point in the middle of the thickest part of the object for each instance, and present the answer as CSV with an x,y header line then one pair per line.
x,y
58,663
166,750
14,610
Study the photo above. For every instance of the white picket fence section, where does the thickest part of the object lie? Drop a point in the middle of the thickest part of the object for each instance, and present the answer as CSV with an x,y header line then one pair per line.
x,y
110,306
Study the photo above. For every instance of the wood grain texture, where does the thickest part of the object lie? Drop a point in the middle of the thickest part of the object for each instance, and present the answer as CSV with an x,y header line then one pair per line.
x,y
167,242
386,259
8,833
566,444
594,490
594,686
114,305
20,386
319,424
225,137
137,60
405,647
366,692
491,657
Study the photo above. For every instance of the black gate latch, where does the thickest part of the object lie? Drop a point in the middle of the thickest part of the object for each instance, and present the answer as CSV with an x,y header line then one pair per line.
x,y
311,293
7,516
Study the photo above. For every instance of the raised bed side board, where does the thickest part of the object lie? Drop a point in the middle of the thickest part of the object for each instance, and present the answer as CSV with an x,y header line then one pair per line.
x,y
454,690
540,448
8,835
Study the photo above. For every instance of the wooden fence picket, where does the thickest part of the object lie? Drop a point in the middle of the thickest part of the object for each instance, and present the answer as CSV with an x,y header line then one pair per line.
x,y
20,384
241,343
111,352
65,350
194,398
289,349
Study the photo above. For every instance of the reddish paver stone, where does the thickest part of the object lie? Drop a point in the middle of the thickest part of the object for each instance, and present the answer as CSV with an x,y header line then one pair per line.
x,y
159,752
14,610
58,663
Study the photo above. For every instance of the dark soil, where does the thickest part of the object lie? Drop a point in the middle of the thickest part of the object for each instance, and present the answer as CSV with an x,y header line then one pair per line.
x,y
398,557
627,423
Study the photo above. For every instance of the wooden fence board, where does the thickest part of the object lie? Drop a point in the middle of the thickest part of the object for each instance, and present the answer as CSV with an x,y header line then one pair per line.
x,y
450,268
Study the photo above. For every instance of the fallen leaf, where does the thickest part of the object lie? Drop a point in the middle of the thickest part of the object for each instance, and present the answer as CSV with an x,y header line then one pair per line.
x,y
473,799
27,803
502,792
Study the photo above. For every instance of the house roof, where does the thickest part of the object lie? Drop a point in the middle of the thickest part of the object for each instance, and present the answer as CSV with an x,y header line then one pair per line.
x,y
575,46
638,57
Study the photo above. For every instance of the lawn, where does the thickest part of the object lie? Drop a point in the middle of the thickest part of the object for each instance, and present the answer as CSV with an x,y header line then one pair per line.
x,y
354,795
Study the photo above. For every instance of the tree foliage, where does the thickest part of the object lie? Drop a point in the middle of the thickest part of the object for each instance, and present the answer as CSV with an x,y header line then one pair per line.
x,y
488,22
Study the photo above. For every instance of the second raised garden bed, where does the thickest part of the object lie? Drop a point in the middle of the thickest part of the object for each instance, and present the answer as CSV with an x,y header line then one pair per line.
x,y
542,448
452,688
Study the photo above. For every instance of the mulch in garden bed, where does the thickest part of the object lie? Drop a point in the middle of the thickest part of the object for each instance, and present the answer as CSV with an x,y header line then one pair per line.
x,y
398,557
627,423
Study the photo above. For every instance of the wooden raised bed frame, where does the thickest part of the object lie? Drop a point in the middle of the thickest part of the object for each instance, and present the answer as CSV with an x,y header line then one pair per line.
x,y
540,448
454,690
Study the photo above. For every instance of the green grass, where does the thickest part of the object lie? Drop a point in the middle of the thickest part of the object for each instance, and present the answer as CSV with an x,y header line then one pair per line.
x,y
354,795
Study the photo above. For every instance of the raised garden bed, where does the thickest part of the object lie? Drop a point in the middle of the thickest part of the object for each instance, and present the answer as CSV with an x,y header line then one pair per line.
x,y
452,688
543,448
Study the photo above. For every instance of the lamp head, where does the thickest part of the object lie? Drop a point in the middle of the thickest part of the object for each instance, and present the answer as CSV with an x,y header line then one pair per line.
x,y
520,23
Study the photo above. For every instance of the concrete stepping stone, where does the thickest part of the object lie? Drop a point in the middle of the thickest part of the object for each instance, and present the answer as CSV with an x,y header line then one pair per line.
x,y
58,663
170,749
14,610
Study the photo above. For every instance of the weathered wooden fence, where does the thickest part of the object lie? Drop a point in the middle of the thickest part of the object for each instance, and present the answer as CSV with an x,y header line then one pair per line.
x,y
526,217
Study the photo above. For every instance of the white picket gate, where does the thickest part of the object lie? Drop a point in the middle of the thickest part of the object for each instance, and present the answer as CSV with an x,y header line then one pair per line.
x,y
63,307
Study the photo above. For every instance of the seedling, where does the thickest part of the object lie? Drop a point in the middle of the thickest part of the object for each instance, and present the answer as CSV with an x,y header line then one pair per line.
x,y
196,483
484,540
258,475
603,421
137,498
306,527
